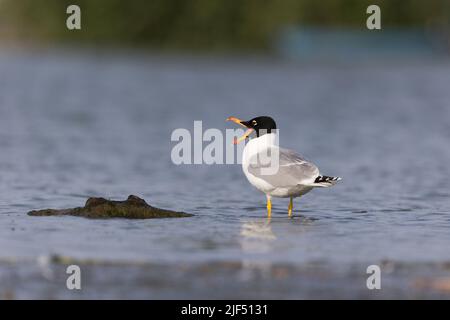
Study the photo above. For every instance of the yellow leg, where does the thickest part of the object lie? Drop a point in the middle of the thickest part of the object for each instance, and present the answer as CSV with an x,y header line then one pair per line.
x,y
290,207
269,207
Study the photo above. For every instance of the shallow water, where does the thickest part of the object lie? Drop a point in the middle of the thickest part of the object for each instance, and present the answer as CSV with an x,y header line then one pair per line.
x,y
75,125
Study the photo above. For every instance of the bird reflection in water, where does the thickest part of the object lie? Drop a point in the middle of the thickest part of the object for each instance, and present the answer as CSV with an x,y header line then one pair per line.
x,y
257,240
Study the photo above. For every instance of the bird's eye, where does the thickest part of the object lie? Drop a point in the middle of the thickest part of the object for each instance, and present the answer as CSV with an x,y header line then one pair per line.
x,y
254,122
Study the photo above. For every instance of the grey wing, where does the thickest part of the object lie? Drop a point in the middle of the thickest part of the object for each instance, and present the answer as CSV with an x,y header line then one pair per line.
x,y
293,170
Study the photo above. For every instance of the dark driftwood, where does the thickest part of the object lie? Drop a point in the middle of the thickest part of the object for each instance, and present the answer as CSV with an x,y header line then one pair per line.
x,y
100,208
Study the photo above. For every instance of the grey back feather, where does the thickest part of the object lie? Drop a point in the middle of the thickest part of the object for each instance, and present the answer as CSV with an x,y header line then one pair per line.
x,y
293,169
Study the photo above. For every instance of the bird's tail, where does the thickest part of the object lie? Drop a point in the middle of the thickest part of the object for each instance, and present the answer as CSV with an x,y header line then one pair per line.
x,y
326,181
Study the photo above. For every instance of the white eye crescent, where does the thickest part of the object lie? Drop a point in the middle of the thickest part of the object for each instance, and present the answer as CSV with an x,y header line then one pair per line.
x,y
254,122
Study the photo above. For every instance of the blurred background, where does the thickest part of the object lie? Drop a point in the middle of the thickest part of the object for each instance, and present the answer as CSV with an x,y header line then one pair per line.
x,y
90,112
210,25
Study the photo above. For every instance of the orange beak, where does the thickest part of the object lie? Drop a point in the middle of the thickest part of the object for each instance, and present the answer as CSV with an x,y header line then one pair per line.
x,y
246,133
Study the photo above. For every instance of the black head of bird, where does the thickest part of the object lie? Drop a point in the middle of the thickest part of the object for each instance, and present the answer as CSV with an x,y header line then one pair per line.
x,y
260,125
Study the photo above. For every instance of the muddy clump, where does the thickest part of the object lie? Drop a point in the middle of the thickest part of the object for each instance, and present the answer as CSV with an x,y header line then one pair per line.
x,y
100,208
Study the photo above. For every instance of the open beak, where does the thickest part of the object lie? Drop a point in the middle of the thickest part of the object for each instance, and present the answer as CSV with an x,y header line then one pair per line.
x,y
241,123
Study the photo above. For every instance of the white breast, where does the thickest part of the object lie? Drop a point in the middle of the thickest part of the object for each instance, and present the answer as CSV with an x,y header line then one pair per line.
x,y
253,147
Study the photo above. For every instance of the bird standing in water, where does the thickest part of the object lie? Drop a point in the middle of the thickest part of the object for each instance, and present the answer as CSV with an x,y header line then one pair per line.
x,y
275,171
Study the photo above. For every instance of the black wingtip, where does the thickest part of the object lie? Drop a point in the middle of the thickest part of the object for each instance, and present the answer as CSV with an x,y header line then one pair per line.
x,y
321,179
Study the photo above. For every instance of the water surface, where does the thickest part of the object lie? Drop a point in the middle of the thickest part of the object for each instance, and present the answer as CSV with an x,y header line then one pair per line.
x,y
75,125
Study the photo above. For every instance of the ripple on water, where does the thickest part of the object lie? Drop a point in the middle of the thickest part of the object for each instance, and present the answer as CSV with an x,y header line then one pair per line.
x,y
58,155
